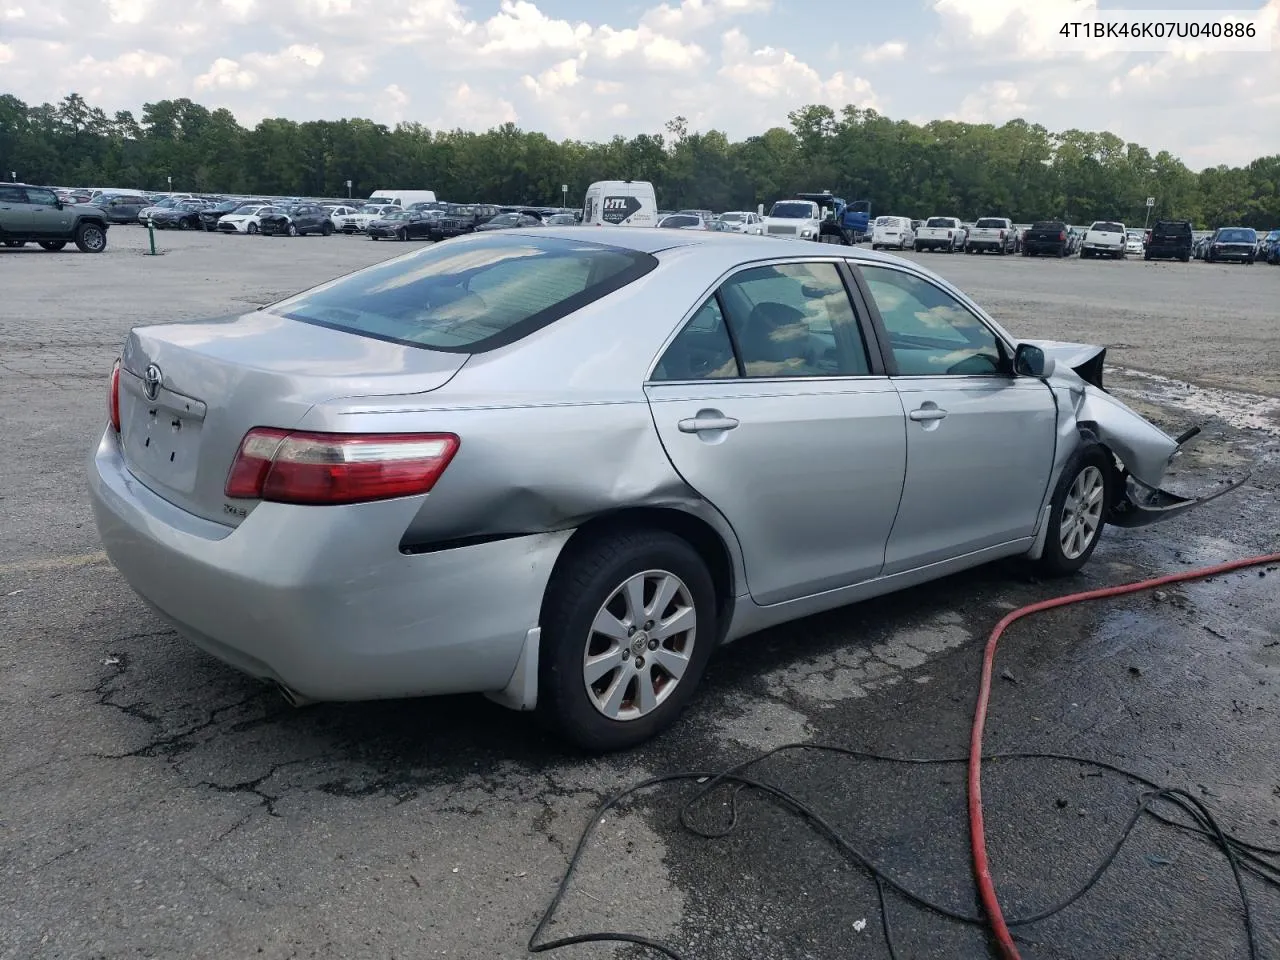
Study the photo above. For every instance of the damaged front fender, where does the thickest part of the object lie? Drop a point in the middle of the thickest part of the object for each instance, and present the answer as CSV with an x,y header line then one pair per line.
x,y
1143,450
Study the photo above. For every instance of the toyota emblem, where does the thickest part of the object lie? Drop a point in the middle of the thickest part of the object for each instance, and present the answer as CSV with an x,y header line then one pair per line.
x,y
151,380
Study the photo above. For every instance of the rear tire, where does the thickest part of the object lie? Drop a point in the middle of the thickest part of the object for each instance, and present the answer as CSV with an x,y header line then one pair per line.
x,y
15,244
251,228
184,225
917,247
328,230
1077,511
587,588
53,246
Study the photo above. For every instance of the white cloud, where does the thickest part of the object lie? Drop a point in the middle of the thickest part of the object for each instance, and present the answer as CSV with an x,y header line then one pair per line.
x,y
471,108
889,50
654,50
520,27
775,75
6,53
692,15
554,79
226,74
128,11
994,103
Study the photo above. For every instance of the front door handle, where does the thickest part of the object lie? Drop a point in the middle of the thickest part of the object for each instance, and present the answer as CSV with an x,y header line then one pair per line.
x,y
927,413
704,422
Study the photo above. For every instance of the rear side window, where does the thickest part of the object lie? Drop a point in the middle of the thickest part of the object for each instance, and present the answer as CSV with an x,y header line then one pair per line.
x,y
470,297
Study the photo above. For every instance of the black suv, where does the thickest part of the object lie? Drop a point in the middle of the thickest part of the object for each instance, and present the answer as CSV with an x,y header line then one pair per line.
x,y
1170,240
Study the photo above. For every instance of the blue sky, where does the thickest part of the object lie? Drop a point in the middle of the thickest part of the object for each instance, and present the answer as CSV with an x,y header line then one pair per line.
x,y
593,68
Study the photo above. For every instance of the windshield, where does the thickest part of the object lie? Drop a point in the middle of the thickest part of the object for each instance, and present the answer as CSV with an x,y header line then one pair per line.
x,y
380,201
939,222
792,210
990,222
562,219
250,208
479,294
1237,235
398,215
1106,226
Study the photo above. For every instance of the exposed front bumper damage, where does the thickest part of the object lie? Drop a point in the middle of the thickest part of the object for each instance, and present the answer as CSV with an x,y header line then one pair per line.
x,y
1144,452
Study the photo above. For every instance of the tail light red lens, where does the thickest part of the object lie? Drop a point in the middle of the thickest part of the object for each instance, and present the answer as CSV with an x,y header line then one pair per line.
x,y
1062,235
333,468
113,397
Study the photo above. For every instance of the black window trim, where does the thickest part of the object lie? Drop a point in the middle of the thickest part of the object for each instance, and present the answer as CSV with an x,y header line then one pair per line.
x,y
882,332
642,265
861,315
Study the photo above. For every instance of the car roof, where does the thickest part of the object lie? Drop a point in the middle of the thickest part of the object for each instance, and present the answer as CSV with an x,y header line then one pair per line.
x,y
721,246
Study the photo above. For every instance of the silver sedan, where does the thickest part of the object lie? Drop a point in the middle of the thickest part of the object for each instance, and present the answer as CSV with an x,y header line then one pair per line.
x,y
559,470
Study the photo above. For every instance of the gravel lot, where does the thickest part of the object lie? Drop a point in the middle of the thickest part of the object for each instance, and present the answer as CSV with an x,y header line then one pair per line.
x,y
153,803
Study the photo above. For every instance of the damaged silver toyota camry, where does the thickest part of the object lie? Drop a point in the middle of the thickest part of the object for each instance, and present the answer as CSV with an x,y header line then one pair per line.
x,y
559,467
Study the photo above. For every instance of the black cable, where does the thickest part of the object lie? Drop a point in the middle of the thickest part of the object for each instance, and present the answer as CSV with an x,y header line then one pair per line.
x,y
1240,854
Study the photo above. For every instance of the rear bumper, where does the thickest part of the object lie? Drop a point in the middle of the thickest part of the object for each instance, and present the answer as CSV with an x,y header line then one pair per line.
x,y
319,598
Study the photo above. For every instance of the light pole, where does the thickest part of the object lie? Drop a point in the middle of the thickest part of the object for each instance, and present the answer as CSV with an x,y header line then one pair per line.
x,y
1151,202
348,189
170,179
564,196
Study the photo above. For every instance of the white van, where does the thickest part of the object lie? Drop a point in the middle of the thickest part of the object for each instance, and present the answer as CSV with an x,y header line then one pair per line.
x,y
893,232
401,198
620,203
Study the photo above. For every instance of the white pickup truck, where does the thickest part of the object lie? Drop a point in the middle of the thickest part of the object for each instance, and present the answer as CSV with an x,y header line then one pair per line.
x,y
1105,238
940,233
795,219
992,233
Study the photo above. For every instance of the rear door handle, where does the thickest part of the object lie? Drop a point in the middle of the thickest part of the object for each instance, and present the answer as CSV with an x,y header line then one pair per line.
x,y
927,413
700,423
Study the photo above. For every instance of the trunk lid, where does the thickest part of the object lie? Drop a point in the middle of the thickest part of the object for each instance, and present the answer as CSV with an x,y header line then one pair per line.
x,y
190,391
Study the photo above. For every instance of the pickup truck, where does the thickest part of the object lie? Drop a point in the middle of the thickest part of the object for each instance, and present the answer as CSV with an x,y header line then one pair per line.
x,y
1046,236
940,233
36,214
992,233
1105,238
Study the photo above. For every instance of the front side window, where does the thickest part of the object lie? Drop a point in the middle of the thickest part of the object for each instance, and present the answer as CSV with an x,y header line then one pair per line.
x,y
472,297
930,332
42,197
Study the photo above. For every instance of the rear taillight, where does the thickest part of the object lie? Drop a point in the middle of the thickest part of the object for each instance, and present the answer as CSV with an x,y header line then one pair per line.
x,y
1001,234
113,397
331,468
1062,235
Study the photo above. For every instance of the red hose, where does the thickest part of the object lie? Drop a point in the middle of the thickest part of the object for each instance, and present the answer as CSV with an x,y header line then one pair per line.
x,y
978,840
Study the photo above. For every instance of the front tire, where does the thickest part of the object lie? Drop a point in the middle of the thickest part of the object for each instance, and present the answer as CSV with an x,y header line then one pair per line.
x,y
251,228
91,238
292,230
1078,511
327,230
628,625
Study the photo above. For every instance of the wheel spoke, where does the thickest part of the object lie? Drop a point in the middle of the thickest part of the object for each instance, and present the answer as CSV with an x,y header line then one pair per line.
x,y
634,593
673,662
648,697
600,665
609,625
611,702
662,598
680,621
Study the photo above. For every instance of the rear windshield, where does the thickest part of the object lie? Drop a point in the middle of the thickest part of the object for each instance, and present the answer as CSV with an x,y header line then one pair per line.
x,y
938,222
1173,226
989,222
472,296
1105,226
1056,225
1237,235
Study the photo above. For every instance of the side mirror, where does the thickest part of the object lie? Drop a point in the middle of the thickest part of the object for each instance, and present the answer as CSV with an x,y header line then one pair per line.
x,y
1030,361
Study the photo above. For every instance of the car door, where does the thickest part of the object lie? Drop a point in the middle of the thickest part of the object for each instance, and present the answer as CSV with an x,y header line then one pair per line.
x,y
980,441
45,217
770,406
15,216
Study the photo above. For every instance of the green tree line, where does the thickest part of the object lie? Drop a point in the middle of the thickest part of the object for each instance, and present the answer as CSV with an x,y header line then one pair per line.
x,y
1020,170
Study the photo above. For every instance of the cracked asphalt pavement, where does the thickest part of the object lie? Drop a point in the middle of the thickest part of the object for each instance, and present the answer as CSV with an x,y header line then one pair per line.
x,y
154,803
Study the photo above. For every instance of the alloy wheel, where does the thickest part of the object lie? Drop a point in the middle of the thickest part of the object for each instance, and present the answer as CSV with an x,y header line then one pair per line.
x,y
639,645
1082,513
